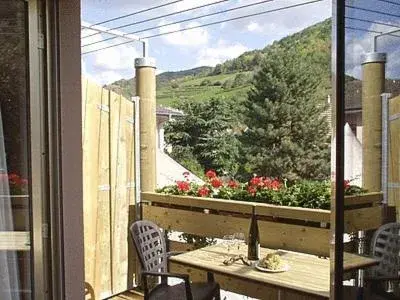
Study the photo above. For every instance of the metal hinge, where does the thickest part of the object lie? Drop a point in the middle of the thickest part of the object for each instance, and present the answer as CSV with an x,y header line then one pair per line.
x,y
41,41
104,187
130,120
45,230
103,107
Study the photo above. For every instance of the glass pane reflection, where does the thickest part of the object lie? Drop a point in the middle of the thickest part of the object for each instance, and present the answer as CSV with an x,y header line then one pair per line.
x,y
14,197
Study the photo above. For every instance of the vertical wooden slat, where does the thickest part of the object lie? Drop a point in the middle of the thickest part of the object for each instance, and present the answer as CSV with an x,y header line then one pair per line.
x,y
91,99
394,155
103,253
119,199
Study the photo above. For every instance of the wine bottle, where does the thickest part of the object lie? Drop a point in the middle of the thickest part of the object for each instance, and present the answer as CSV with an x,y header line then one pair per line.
x,y
253,251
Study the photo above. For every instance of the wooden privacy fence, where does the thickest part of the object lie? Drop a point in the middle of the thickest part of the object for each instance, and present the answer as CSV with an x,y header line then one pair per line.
x,y
108,180
291,228
394,154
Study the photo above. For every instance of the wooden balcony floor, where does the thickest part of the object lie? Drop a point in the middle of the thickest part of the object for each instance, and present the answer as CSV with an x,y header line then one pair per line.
x,y
129,296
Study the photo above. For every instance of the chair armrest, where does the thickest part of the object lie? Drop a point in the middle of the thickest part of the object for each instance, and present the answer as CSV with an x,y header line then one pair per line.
x,y
173,253
167,274
384,278
185,277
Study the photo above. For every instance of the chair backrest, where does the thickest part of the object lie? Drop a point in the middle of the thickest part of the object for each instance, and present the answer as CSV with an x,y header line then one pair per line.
x,y
150,245
385,245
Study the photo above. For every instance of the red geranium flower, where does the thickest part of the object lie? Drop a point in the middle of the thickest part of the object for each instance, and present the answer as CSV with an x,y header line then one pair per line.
x,y
211,174
255,181
203,191
233,184
183,186
216,182
252,190
275,184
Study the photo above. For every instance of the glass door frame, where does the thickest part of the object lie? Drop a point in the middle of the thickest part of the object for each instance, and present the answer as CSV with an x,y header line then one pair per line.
x,y
41,264
338,109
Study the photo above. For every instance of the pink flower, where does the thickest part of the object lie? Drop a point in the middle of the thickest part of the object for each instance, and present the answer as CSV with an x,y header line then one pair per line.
x,y
203,191
211,174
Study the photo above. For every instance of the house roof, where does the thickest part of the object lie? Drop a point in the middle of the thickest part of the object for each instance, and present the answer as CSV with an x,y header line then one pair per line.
x,y
168,111
354,92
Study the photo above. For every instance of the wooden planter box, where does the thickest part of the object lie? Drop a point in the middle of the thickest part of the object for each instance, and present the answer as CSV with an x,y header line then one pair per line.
x,y
292,228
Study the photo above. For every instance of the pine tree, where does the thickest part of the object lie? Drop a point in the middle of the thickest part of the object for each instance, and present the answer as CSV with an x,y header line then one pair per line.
x,y
287,134
204,138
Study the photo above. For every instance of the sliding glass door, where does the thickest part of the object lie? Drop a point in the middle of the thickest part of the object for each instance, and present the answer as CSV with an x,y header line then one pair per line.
x,y
22,201
15,202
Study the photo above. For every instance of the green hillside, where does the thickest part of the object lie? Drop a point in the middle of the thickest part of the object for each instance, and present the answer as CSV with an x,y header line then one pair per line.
x,y
232,79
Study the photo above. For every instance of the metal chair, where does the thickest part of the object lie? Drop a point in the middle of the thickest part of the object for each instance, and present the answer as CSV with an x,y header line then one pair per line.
x,y
151,248
385,246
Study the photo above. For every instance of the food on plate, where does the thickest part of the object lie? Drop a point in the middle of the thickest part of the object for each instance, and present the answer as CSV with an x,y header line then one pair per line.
x,y
272,262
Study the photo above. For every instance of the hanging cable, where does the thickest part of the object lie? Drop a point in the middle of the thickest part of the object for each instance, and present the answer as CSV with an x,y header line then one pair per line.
x,y
373,22
160,17
373,11
210,24
182,21
390,2
137,12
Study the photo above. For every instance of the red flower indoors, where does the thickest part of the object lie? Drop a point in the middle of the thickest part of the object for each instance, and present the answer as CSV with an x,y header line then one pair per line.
x,y
183,186
14,179
346,184
203,191
233,184
216,182
211,174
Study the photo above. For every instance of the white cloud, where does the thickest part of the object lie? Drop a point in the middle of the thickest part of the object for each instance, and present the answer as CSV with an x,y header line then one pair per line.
x,y
358,44
210,56
281,23
189,38
254,26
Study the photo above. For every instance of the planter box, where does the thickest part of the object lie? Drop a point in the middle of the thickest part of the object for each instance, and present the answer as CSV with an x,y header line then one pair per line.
x,y
292,228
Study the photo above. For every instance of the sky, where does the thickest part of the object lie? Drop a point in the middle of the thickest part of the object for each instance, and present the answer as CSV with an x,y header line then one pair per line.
x,y
211,45
205,46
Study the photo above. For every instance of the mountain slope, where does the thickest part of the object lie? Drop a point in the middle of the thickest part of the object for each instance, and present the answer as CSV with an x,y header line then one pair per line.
x,y
232,79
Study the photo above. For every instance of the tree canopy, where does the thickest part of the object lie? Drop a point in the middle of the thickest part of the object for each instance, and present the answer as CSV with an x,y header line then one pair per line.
x,y
287,131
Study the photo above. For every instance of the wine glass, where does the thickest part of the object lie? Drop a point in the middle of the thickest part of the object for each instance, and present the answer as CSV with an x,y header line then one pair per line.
x,y
239,240
228,241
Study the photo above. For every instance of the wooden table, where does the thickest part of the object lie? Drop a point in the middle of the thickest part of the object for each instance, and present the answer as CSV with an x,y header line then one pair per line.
x,y
307,278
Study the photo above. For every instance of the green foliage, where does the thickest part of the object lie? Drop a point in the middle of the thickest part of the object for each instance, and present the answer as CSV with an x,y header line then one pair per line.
x,y
313,42
205,82
174,85
287,133
204,136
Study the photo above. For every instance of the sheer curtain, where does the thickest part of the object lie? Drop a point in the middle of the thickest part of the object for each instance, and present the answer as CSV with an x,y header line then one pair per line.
x,y
9,279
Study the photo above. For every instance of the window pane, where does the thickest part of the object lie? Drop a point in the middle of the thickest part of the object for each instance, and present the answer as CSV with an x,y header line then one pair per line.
x,y
14,182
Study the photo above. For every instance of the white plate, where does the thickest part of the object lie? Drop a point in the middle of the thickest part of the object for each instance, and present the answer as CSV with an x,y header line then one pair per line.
x,y
284,269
